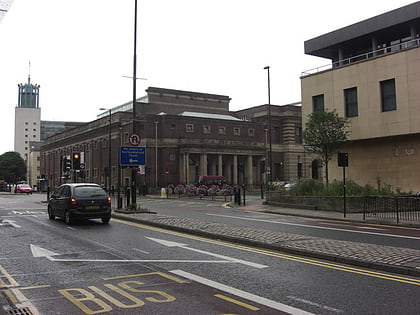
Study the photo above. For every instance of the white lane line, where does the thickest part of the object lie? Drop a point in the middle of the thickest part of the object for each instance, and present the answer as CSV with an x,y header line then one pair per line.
x,y
243,294
357,227
314,226
325,307
184,246
141,251
139,260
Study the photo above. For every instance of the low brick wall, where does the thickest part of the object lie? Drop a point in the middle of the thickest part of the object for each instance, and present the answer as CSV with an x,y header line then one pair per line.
x,y
353,204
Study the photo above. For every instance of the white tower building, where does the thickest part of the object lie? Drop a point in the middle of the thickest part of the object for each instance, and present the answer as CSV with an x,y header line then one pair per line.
x,y
27,118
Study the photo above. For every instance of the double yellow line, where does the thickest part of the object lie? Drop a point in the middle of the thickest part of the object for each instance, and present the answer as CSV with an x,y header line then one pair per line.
x,y
324,264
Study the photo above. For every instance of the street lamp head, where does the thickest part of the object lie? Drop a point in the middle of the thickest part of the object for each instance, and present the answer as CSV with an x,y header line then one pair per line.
x,y
267,67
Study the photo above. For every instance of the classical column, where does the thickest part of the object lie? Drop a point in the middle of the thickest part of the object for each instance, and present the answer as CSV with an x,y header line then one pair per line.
x,y
249,173
181,167
203,164
220,165
228,170
235,169
212,165
186,167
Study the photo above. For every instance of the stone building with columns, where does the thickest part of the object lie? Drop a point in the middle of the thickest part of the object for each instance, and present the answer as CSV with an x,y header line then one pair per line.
x,y
185,135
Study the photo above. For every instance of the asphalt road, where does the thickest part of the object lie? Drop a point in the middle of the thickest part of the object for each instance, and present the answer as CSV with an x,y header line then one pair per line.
x,y
212,211
127,268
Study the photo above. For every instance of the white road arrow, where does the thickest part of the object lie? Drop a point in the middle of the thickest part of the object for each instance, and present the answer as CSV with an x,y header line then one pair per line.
x,y
184,246
42,252
9,222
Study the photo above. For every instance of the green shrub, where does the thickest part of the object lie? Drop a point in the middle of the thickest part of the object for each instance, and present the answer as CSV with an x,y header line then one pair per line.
x,y
311,187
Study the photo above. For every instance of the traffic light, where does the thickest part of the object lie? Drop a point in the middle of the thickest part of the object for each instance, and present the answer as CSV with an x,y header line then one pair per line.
x,y
343,159
66,164
76,160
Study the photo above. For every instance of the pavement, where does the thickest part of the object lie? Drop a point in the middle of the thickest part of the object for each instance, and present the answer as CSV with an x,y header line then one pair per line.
x,y
385,258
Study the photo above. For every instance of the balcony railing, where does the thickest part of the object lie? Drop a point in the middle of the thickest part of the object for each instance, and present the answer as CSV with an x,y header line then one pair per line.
x,y
372,54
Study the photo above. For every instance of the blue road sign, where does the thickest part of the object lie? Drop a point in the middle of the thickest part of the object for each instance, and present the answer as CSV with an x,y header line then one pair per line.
x,y
132,156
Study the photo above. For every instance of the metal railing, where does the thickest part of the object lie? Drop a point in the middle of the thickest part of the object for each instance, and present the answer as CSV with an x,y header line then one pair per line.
x,y
398,208
371,54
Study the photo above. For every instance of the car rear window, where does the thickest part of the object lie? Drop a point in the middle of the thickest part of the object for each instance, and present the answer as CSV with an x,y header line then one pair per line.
x,y
89,192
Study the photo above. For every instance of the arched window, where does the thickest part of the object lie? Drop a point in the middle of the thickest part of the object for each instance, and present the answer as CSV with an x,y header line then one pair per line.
x,y
315,169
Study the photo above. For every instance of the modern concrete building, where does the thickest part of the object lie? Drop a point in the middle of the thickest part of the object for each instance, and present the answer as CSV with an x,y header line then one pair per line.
x,y
185,135
373,80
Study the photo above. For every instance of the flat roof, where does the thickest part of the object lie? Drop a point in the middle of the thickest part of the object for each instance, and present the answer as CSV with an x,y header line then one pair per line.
x,y
207,115
318,46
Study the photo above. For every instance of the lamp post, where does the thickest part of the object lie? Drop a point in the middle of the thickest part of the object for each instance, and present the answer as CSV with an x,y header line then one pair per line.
x,y
134,171
156,153
109,148
269,126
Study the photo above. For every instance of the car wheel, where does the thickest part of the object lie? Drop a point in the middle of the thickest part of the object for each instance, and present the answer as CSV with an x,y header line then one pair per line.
x,y
106,220
50,214
67,218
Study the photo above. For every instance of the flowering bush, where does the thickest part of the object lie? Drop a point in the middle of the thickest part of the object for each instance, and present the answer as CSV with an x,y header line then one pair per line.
x,y
190,190
202,190
212,191
227,190
179,189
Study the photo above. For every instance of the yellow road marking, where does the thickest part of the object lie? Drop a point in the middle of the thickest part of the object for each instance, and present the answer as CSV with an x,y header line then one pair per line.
x,y
310,261
164,275
35,287
250,307
5,274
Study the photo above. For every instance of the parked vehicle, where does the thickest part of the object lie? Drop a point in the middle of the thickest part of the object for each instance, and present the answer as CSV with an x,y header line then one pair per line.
x,y
24,188
289,186
80,201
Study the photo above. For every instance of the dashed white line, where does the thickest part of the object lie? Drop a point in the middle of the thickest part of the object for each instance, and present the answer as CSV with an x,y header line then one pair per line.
x,y
325,307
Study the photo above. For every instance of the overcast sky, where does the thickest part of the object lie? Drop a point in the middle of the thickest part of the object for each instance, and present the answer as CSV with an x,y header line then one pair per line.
x,y
80,50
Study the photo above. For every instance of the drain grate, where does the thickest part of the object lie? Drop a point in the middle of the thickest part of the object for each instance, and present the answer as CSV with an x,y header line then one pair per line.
x,y
20,311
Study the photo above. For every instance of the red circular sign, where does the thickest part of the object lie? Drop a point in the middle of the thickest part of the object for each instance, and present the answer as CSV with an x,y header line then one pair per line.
x,y
134,139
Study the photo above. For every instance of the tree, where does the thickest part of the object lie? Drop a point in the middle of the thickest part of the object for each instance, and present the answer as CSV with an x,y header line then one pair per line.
x,y
324,133
12,167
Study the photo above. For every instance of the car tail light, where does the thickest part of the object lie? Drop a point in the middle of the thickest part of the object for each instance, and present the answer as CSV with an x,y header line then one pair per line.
x,y
108,201
73,202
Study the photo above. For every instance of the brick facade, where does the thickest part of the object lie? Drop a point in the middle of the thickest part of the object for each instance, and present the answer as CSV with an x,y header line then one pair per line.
x,y
184,139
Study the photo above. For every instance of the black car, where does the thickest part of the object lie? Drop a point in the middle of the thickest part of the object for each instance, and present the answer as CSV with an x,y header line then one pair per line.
x,y
80,201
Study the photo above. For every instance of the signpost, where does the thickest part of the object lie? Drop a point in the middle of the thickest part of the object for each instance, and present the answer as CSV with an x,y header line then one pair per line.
x,y
132,156
343,161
